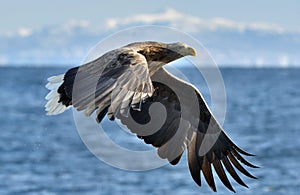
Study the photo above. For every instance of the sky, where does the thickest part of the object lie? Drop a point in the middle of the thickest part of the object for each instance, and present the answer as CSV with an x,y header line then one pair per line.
x,y
35,14
235,32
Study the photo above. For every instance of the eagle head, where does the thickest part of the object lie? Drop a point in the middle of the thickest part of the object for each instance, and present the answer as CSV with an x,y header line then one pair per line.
x,y
182,49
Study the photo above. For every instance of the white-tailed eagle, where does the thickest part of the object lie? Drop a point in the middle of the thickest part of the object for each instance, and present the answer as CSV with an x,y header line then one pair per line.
x,y
123,81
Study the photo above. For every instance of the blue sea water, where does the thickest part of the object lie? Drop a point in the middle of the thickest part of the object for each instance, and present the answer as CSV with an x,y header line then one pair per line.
x,y
42,154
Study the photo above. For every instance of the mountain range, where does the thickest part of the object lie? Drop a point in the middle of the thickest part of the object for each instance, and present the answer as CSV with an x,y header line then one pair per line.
x,y
230,43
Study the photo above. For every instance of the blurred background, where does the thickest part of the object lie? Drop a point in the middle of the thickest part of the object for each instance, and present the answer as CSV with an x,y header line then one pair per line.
x,y
256,44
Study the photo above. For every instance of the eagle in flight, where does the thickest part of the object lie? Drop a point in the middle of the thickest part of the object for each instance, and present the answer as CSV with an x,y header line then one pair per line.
x,y
124,83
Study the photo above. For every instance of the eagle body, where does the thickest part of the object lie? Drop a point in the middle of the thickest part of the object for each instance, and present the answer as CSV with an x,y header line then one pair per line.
x,y
126,82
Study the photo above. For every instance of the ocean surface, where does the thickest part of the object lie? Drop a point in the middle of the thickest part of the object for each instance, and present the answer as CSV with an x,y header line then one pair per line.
x,y
42,154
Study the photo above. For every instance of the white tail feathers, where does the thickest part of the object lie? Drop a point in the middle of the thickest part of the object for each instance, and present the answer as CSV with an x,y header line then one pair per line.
x,y
53,107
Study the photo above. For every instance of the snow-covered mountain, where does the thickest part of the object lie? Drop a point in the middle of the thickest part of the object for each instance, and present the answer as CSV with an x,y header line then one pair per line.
x,y
229,42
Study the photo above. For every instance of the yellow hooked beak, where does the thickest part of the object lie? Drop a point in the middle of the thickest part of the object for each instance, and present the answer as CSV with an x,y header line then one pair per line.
x,y
194,53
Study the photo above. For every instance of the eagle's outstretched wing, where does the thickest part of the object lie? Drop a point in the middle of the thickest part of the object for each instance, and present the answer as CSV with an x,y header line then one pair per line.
x,y
114,82
222,153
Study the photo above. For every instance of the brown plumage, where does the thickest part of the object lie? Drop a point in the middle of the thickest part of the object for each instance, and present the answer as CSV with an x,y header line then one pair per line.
x,y
129,80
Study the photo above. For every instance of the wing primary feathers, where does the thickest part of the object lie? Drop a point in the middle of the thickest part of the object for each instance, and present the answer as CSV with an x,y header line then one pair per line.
x,y
230,142
221,173
232,172
239,166
194,165
242,151
237,148
206,168
102,114
240,158
176,160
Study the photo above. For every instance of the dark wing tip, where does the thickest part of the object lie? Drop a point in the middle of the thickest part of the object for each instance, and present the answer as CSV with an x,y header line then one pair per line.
x,y
222,175
176,160
237,148
239,166
111,116
194,165
242,151
232,172
207,172
101,114
240,158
